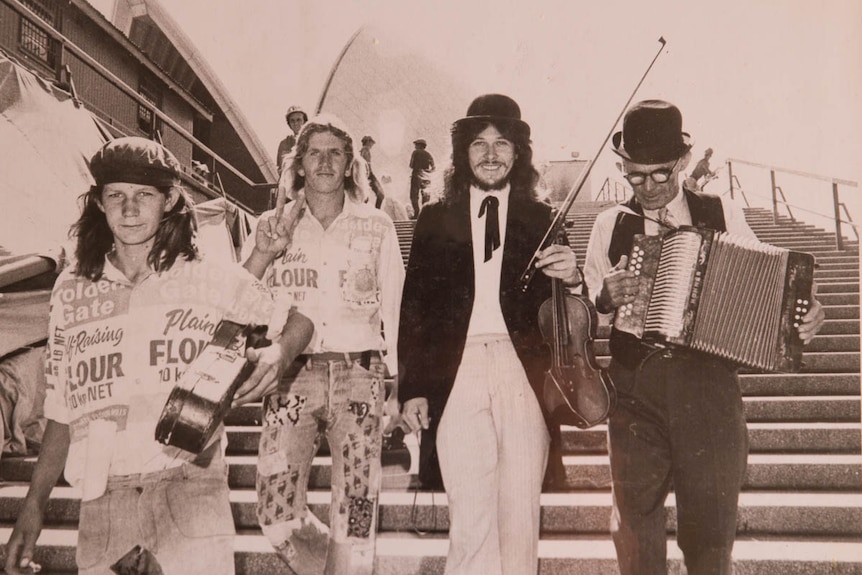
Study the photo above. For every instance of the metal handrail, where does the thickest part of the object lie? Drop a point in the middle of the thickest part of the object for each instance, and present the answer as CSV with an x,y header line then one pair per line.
x,y
128,91
849,221
619,191
776,191
783,201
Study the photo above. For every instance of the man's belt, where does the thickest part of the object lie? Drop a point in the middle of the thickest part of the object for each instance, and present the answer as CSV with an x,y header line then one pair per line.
x,y
347,357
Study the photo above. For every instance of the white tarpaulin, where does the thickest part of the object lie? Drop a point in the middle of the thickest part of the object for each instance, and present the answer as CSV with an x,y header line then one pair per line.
x,y
47,140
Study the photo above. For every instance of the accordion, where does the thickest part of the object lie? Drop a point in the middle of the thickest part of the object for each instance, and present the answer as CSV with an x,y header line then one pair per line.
x,y
724,295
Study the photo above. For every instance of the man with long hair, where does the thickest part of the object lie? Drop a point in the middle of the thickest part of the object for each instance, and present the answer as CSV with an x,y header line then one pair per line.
x,y
135,308
337,260
472,354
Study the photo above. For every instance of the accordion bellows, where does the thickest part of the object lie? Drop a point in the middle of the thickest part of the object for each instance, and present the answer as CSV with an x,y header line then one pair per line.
x,y
725,295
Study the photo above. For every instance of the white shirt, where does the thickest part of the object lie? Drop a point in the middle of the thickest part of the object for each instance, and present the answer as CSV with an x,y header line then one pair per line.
x,y
346,279
487,316
597,264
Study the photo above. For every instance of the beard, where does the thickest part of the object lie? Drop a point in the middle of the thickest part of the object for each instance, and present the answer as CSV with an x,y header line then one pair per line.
x,y
493,186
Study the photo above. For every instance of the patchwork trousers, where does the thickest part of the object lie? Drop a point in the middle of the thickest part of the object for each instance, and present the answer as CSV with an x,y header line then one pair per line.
x,y
343,401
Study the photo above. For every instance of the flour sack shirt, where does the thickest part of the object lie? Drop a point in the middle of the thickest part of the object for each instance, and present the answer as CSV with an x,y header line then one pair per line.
x,y
347,279
115,352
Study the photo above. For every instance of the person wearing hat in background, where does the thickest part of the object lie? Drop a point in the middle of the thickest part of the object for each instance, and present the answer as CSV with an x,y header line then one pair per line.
x,y
472,355
368,143
295,118
701,170
341,266
679,417
421,162
134,309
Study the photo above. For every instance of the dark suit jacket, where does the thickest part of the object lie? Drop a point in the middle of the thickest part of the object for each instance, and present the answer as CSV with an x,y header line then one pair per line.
x,y
438,300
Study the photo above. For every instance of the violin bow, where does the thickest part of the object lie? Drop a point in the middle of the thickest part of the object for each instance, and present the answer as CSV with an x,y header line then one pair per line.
x,y
560,218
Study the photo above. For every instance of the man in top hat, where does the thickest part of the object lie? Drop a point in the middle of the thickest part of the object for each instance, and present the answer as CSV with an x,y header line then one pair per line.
x,y
421,162
679,419
472,355
295,118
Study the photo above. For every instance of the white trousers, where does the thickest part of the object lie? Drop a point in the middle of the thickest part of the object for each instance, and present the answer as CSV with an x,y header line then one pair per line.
x,y
493,447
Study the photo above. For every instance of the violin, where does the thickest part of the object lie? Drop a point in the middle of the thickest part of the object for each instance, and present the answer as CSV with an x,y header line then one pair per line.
x,y
576,390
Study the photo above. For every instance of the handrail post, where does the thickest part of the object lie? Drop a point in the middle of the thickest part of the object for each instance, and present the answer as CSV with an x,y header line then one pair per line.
x,y
730,176
839,242
774,198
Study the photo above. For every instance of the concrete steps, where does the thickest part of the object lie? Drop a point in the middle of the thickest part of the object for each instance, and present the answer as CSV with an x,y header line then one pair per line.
x,y
800,510
411,554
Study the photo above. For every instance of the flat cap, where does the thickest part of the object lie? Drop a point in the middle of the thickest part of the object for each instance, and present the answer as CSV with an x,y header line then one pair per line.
x,y
136,161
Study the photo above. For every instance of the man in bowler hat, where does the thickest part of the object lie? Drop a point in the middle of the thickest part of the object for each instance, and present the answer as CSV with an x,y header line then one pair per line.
x,y
472,355
679,419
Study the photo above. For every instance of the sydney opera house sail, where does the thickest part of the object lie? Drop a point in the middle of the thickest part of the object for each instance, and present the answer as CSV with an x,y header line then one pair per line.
x,y
381,88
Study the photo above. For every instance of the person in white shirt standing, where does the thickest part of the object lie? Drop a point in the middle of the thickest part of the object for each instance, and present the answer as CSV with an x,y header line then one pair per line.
x,y
472,353
336,259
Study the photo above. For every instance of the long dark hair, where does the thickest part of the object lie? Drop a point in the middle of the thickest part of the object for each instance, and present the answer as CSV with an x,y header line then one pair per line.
x,y
523,177
174,238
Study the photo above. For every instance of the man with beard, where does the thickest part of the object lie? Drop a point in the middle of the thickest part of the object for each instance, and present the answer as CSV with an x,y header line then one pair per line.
x,y
470,344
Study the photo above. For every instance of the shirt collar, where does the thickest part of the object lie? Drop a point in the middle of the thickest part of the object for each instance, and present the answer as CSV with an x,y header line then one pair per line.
x,y
113,274
675,206
478,194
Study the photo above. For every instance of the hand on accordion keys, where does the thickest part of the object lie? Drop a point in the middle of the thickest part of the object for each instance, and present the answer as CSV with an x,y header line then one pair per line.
x,y
618,287
813,320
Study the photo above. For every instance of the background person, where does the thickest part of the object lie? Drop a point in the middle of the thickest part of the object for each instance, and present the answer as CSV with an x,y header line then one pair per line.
x,y
421,161
295,118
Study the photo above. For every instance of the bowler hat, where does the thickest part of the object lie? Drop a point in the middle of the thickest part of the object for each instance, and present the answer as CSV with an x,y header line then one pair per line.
x,y
652,134
496,109
135,160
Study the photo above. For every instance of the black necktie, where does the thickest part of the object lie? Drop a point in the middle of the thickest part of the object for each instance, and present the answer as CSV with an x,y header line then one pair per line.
x,y
492,225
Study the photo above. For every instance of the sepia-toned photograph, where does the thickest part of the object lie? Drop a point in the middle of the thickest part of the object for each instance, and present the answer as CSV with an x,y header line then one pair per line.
x,y
379,287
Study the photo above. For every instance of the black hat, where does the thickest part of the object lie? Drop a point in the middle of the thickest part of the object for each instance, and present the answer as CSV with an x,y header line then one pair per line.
x,y
136,161
652,134
494,108
368,140
420,142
